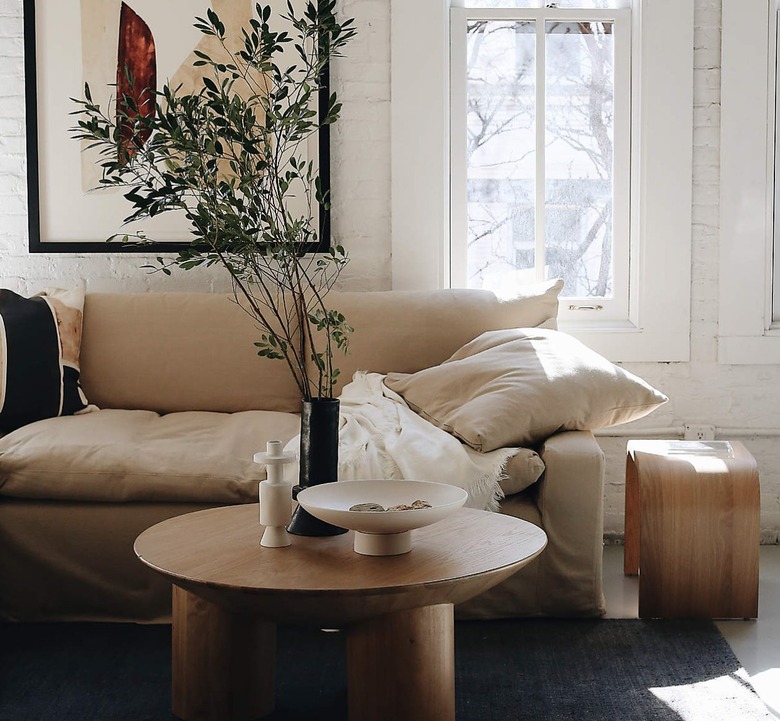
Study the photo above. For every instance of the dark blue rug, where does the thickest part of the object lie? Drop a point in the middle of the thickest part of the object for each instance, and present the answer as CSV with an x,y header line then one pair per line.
x,y
529,670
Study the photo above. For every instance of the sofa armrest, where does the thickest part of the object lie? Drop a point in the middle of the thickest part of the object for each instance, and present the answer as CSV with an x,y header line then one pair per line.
x,y
570,496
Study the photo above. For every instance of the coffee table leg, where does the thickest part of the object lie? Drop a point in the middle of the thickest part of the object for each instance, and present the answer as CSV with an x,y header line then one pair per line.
x,y
223,663
402,666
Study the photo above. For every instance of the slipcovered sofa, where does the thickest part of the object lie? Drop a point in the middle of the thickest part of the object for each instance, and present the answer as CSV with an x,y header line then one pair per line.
x,y
184,402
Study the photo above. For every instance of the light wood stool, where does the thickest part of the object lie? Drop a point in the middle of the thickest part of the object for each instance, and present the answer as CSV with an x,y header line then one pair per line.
x,y
692,525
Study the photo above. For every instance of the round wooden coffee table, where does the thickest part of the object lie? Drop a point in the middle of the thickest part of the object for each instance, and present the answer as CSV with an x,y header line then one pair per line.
x,y
229,593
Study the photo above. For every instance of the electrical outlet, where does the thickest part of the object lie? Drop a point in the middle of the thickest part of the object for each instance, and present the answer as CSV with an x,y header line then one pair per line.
x,y
699,432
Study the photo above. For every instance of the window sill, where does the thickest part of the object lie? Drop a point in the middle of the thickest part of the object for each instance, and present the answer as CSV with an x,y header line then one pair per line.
x,y
625,343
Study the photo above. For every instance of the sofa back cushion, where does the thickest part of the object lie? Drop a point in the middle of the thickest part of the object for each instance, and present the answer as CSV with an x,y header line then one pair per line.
x,y
169,352
406,331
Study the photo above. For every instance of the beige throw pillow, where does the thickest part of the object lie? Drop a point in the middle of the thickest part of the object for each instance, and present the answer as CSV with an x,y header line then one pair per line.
x,y
517,387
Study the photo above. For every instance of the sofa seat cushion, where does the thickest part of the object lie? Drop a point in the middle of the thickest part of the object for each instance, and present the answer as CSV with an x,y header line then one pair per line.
x,y
122,455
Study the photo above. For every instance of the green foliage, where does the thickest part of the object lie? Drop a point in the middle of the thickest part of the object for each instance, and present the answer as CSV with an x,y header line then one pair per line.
x,y
230,158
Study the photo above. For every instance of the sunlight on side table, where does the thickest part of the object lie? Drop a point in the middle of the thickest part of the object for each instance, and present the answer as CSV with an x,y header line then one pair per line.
x,y
692,526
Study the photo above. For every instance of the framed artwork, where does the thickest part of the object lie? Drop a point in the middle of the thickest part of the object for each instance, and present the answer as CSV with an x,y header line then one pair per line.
x,y
70,42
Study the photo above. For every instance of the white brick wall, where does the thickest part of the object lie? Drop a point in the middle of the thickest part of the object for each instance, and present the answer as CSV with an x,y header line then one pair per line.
x,y
701,390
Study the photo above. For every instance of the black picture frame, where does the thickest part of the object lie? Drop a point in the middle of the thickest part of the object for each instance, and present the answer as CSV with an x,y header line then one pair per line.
x,y
39,244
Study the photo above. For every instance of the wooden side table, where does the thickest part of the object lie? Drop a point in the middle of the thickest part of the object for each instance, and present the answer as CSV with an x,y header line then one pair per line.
x,y
692,525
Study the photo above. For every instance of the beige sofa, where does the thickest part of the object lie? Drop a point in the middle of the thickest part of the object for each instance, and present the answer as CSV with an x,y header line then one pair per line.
x,y
185,401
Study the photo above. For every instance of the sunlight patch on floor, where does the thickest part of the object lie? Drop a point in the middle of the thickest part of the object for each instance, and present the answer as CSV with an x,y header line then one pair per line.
x,y
716,699
755,643
766,683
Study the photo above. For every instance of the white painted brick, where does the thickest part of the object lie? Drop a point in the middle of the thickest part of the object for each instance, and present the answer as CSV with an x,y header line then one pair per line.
x,y
11,127
11,27
11,47
701,213
365,73
706,38
708,172
707,137
12,204
10,167
12,144
364,9
11,226
12,8
705,86
706,115
12,104
707,193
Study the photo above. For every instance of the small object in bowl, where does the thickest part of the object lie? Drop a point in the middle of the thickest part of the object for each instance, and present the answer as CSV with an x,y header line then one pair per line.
x,y
367,507
415,505
421,504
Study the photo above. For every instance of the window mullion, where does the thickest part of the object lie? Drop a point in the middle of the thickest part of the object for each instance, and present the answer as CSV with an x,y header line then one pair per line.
x,y
458,241
540,192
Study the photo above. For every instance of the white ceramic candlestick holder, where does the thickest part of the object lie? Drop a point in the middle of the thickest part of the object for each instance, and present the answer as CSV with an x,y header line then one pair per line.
x,y
275,496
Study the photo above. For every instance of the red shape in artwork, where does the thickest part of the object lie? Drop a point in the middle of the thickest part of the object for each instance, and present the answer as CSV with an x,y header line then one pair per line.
x,y
136,81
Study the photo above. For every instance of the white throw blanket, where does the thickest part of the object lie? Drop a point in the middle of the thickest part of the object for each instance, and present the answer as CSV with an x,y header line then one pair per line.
x,y
380,437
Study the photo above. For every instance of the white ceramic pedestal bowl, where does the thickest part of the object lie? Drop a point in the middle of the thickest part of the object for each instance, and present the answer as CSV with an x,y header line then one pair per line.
x,y
381,533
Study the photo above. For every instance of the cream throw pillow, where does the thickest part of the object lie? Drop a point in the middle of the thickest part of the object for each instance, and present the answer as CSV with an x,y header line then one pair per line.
x,y
517,387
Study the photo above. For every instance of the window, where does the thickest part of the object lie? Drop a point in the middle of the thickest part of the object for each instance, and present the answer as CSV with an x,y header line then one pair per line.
x,y
543,195
749,327
540,151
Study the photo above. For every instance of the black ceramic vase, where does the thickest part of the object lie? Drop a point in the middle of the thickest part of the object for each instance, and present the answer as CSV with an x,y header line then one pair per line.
x,y
319,462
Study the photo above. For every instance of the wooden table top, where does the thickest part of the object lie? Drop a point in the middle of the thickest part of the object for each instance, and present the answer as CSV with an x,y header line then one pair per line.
x,y
219,548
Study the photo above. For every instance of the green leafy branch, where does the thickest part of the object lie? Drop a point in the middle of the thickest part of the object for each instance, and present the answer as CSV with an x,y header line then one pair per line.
x,y
230,157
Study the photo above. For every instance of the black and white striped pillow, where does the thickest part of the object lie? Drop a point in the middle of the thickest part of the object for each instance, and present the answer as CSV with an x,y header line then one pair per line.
x,y
40,340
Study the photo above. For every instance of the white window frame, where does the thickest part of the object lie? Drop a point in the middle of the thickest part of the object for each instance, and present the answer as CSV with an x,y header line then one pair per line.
x,y
658,325
616,307
746,334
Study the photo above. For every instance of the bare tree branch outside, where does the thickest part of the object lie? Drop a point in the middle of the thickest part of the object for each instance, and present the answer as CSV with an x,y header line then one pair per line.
x,y
503,161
